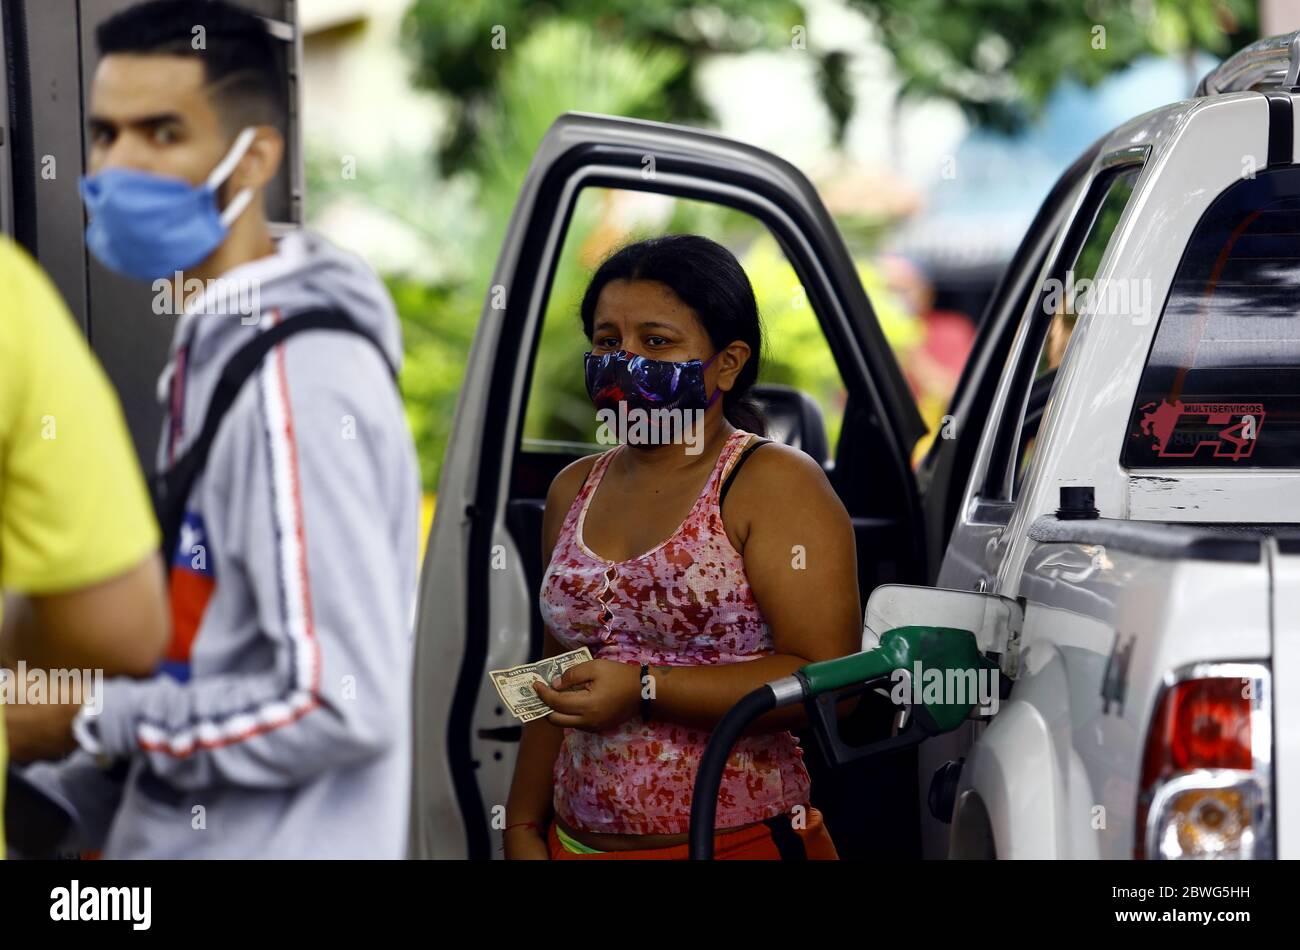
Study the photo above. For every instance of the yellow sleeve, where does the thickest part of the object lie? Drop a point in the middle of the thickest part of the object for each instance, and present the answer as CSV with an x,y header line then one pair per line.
x,y
74,509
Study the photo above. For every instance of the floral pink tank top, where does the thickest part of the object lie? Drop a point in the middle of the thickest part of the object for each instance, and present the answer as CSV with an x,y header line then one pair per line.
x,y
686,602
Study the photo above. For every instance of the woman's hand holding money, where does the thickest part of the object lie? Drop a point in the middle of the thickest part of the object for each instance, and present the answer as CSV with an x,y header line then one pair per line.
x,y
593,696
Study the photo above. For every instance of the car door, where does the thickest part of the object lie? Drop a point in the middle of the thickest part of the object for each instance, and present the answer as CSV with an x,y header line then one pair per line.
x,y
477,607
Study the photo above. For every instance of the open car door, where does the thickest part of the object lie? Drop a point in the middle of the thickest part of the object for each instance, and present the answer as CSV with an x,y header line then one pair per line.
x,y
478,593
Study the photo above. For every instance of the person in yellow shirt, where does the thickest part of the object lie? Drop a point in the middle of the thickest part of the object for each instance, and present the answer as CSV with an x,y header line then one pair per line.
x,y
79,548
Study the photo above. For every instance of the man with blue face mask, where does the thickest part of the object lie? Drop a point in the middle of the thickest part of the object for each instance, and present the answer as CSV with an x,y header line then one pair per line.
x,y
183,141
278,724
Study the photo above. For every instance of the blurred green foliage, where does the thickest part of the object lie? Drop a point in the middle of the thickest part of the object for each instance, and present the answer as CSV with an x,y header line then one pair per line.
x,y
795,351
998,58
438,324
454,52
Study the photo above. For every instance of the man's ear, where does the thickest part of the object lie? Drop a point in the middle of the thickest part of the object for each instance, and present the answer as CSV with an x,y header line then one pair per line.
x,y
731,359
262,160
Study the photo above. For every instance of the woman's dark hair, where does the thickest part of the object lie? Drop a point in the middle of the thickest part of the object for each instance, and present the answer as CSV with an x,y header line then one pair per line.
x,y
707,278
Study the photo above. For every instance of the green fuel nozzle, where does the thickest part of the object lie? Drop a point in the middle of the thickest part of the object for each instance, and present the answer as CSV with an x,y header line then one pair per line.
x,y
944,657
945,654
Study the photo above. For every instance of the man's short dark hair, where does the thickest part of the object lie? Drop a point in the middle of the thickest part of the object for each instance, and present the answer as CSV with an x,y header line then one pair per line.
x,y
239,56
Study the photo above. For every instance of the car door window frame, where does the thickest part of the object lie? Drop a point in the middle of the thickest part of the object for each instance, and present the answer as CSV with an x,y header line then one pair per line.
x,y
820,285
830,295
614,154
948,466
832,287
995,499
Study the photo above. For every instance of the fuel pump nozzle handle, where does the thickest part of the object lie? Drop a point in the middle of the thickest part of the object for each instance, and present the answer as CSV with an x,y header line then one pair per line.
x,y
902,652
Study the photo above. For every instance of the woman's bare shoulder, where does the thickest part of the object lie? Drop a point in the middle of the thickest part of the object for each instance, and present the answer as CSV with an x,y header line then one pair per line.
x,y
777,472
560,497
568,482
777,466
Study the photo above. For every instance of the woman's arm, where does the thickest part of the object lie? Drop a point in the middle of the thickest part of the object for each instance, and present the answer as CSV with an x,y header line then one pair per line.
x,y
801,562
531,788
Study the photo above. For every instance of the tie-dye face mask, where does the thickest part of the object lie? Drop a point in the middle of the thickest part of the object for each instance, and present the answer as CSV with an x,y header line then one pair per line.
x,y
647,384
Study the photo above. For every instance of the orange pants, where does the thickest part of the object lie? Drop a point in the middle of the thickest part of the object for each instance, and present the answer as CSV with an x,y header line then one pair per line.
x,y
773,840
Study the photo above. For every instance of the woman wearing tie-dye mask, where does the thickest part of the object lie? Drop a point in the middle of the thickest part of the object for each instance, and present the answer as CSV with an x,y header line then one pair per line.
x,y
686,603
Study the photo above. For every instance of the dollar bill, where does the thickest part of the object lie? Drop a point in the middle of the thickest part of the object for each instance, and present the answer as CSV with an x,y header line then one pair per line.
x,y
515,685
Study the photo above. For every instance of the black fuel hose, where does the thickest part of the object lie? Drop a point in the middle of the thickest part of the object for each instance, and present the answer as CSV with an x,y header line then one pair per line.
x,y
704,799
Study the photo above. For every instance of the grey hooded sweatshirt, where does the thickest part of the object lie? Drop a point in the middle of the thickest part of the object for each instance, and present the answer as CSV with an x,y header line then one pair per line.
x,y
280,723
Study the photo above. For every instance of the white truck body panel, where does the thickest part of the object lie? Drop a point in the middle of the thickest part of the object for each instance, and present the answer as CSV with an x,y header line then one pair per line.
x,y
1058,769
1088,416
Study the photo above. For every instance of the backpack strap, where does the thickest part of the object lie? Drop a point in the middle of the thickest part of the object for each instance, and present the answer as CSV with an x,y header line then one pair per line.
x,y
735,469
171,489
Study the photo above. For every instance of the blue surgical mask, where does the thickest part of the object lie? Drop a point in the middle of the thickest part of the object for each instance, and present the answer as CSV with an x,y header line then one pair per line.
x,y
149,226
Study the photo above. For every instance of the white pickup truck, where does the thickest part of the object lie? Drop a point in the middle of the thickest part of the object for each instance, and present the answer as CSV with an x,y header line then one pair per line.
x,y
1113,508
1153,637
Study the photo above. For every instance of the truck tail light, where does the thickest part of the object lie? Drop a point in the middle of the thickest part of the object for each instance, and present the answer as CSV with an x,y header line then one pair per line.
x,y
1206,789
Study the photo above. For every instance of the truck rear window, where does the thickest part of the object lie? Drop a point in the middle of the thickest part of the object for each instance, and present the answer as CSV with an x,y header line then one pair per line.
x,y
1221,387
